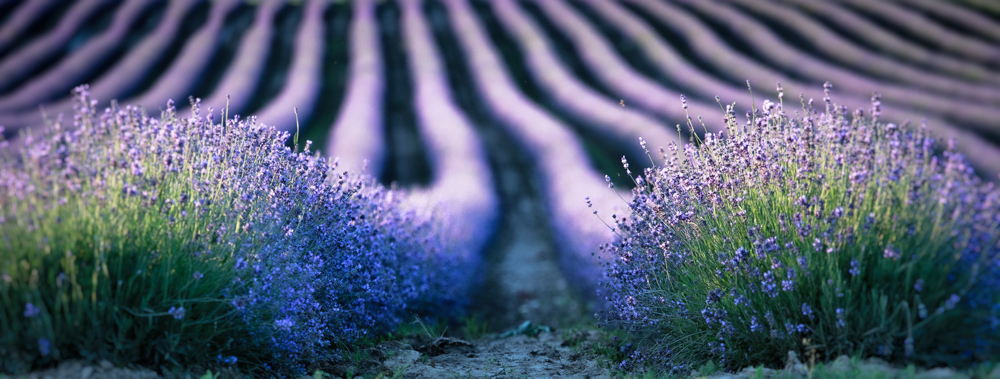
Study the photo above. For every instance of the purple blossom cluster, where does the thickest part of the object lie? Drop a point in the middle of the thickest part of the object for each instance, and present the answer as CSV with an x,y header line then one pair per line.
x,y
293,259
827,224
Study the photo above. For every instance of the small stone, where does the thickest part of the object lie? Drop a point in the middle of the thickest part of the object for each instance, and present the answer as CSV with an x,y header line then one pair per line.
x,y
399,356
106,365
793,365
723,375
751,372
841,364
86,372
940,373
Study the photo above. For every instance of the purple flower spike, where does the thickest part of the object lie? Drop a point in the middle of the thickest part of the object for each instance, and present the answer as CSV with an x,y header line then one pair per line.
x,y
44,347
30,310
177,313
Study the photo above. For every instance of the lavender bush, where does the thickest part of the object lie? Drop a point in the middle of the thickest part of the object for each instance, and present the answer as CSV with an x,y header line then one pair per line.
x,y
826,231
179,240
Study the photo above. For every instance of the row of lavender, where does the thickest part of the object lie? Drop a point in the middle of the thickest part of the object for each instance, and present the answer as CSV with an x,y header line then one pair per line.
x,y
184,240
912,77
628,100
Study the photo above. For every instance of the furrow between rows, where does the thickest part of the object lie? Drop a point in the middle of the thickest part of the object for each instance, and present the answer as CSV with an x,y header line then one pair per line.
x,y
710,48
243,75
984,117
68,73
959,15
608,118
357,138
462,185
558,154
127,73
15,66
21,19
302,85
615,73
961,74
182,74
920,26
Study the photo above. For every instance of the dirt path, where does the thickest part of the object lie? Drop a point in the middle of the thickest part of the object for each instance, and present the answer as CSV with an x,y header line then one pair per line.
x,y
522,278
545,356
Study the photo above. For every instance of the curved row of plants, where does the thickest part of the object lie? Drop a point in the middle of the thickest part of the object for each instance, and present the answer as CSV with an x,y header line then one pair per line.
x,y
958,14
633,87
610,119
357,138
461,193
302,84
913,23
709,47
75,67
795,61
185,69
19,22
908,53
21,62
562,164
128,71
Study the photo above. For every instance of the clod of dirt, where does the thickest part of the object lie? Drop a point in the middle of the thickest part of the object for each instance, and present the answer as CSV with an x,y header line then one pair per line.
x,y
443,345
526,328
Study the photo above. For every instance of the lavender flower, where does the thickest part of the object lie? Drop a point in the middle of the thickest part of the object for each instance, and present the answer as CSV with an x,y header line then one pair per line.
x,y
30,310
890,253
806,311
230,360
788,285
285,324
176,312
951,302
44,347
713,296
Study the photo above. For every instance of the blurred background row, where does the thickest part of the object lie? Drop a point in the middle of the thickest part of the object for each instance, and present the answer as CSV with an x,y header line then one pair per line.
x,y
572,58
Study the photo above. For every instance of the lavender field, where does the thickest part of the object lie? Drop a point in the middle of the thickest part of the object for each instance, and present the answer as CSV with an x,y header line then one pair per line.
x,y
261,186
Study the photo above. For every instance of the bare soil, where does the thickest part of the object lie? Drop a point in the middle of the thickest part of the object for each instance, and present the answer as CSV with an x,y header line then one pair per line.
x,y
544,356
